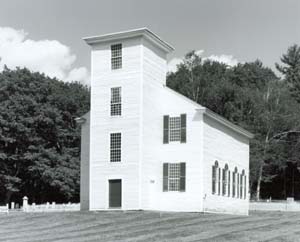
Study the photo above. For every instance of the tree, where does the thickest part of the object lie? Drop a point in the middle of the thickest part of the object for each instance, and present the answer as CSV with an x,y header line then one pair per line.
x,y
291,69
39,139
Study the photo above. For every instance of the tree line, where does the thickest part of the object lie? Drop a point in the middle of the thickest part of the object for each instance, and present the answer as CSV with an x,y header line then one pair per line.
x,y
40,140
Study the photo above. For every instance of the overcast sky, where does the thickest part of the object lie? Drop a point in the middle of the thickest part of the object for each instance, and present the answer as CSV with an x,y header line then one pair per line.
x,y
45,35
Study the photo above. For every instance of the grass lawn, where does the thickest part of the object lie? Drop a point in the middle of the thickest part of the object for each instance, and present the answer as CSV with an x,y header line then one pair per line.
x,y
148,226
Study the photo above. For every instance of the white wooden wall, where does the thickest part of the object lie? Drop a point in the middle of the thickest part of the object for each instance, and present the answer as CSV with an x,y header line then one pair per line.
x,y
227,147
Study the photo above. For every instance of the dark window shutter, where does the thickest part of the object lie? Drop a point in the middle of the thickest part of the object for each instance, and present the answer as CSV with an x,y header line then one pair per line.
x,y
166,129
183,128
165,176
182,177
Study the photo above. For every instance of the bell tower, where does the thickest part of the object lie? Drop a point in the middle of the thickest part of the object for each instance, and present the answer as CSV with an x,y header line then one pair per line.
x,y
123,66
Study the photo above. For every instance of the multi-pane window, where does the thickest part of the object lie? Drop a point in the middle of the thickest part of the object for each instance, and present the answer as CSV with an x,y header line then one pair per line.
x,y
175,127
174,177
115,147
115,101
116,56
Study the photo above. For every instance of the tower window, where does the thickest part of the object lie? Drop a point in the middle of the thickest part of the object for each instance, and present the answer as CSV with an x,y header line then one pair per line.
x,y
115,101
115,147
116,56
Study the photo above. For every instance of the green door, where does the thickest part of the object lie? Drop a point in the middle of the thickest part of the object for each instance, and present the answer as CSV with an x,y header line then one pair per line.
x,y
115,193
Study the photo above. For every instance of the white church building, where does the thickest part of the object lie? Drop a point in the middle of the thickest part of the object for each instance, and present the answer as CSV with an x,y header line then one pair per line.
x,y
145,146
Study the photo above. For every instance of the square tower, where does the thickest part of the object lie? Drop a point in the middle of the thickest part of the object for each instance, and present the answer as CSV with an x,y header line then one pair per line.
x,y
125,67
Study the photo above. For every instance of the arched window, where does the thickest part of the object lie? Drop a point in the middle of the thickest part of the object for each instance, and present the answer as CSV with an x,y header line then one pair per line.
x,y
229,184
214,177
219,181
234,176
237,185
244,184
241,184
224,180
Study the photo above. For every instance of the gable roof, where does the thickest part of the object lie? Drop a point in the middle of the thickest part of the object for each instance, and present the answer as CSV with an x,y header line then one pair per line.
x,y
141,32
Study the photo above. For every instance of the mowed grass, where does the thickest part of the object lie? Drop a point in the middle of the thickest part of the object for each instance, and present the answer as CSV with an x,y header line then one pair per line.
x,y
148,226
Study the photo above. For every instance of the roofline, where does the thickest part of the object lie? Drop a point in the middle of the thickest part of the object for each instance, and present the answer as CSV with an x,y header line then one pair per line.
x,y
145,32
227,123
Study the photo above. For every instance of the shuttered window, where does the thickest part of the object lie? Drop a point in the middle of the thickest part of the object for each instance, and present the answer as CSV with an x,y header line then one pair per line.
x,y
174,129
116,56
174,177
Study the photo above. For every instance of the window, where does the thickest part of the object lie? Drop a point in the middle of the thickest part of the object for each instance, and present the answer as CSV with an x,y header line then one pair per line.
x,y
115,147
115,101
245,188
228,184
116,56
219,181
214,177
238,185
224,180
174,129
241,185
234,174
174,177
